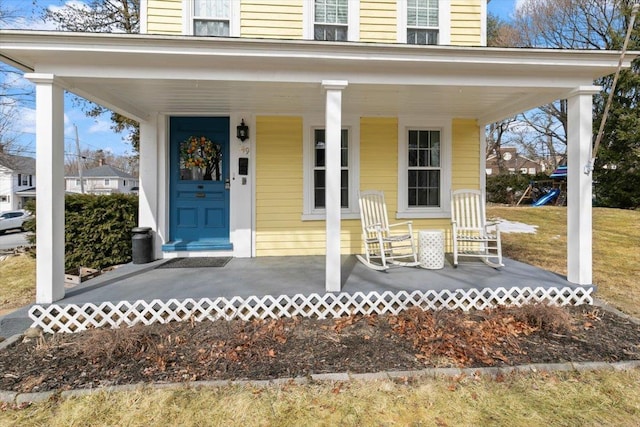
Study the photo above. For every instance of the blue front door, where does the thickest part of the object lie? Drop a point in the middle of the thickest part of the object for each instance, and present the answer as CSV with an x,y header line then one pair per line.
x,y
199,191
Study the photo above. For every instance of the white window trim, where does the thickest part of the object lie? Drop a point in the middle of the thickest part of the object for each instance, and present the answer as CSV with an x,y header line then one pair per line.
x,y
353,31
444,22
310,123
234,19
444,125
144,17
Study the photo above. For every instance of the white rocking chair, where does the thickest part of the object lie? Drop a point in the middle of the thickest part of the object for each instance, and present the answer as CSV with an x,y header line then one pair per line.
x,y
380,244
472,235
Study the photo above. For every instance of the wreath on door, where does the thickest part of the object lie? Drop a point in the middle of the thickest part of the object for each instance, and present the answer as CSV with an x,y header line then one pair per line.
x,y
199,152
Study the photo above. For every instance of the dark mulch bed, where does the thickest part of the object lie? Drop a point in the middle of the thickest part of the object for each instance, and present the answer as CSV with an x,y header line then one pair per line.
x,y
298,347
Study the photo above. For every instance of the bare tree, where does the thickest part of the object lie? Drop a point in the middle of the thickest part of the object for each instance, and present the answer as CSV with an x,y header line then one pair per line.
x,y
495,137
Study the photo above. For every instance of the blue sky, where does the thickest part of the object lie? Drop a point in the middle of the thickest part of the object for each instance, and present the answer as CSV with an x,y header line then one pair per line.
x,y
503,8
95,133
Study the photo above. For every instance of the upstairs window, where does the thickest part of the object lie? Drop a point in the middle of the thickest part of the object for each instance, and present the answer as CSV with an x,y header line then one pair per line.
x,y
212,17
422,22
331,20
107,182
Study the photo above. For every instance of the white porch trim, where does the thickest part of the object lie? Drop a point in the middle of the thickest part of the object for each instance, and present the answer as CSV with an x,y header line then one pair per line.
x,y
579,185
333,129
50,190
149,180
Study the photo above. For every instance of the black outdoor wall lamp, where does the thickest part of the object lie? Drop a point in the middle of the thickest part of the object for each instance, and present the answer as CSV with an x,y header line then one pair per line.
x,y
242,131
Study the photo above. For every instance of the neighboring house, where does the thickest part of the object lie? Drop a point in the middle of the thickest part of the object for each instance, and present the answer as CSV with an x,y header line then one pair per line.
x,y
104,179
512,162
17,181
297,106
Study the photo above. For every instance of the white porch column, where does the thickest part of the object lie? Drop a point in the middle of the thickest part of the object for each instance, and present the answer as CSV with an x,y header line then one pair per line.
x,y
50,188
579,185
333,130
149,179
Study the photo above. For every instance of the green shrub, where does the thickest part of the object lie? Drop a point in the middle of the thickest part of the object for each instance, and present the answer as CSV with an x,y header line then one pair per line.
x,y
97,229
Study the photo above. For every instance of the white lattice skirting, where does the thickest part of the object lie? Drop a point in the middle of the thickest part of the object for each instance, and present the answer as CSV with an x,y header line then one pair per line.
x,y
74,318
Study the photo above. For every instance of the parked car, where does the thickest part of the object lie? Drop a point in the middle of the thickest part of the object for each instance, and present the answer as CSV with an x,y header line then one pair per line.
x,y
13,220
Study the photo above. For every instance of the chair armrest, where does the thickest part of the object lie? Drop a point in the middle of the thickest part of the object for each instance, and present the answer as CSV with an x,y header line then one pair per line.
x,y
374,227
409,223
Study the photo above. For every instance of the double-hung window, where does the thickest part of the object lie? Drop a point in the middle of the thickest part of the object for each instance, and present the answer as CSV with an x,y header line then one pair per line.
x,y
423,169
331,20
319,169
315,170
215,18
422,21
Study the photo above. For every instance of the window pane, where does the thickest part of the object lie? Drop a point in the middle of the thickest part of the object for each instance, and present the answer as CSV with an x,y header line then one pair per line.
x,y
320,157
319,188
412,197
344,148
211,28
422,178
212,8
331,11
330,33
413,139
319,179
319,198
344,188
422,158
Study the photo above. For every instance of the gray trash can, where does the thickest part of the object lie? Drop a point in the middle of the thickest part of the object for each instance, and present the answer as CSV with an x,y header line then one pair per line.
x,y
141,245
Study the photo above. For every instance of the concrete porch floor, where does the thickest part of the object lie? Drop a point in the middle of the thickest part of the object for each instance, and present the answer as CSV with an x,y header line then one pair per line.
x,y
244,277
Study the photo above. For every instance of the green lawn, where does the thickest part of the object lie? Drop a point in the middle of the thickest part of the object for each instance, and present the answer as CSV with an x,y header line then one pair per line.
x,y
602,398
616,248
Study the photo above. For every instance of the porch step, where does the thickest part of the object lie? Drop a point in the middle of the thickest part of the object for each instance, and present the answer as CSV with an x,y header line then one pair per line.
x,y
198,245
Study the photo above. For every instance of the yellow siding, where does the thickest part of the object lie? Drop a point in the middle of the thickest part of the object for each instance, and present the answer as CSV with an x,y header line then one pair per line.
x,y
378,21
466,154
466,22
164,16
271,19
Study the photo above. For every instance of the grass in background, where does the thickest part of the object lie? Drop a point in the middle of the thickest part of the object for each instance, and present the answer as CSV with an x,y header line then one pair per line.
x,y
603,398
17,282
616,248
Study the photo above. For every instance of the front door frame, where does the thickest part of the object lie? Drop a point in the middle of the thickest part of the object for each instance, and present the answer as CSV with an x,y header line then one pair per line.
x,y
203,199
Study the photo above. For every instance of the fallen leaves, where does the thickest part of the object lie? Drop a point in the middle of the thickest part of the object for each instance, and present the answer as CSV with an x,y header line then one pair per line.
x,y
461,338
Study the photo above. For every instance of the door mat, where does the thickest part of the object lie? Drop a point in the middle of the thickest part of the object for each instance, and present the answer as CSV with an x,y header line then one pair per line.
x,y
196,262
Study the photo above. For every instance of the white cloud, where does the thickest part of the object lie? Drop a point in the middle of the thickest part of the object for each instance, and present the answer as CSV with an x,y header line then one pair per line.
x,y
100,126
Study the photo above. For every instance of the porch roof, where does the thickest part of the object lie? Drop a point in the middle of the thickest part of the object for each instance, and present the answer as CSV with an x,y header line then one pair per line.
x,y
138,75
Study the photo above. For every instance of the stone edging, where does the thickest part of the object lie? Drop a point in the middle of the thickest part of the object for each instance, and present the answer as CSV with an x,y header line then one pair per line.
x,y
25,398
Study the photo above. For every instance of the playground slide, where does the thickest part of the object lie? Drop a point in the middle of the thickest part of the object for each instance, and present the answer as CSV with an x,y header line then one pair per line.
x,y
551,195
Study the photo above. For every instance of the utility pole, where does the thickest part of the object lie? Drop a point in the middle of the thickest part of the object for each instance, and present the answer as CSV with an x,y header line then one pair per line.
x,y
79,161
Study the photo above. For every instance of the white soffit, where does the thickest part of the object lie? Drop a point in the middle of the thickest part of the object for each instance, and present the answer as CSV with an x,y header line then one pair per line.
x,y
142,73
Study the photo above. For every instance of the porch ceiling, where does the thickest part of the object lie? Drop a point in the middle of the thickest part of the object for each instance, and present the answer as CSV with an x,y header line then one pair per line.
x,y
138,75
